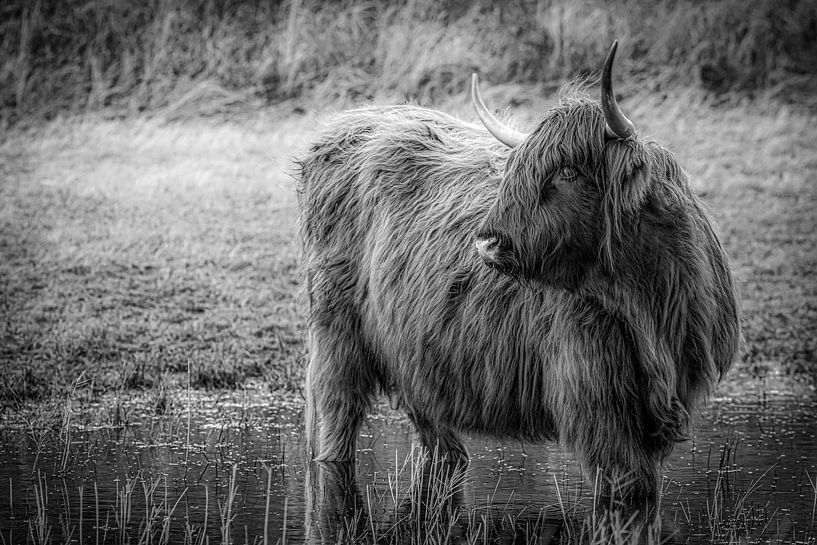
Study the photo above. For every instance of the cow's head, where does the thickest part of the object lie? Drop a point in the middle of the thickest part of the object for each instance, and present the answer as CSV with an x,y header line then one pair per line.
x,y
565,188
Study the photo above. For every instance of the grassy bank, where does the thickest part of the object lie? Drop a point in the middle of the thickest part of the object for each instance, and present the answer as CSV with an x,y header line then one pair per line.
x,y
130,249
134,249
195,56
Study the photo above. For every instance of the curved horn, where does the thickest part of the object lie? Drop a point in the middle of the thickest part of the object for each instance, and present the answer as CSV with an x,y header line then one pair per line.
x,y
502,132
618,126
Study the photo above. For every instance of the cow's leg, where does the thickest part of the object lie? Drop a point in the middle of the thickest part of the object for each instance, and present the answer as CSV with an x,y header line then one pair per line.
x,y
332,505
440,442
598,393
626,487
622,469
339,390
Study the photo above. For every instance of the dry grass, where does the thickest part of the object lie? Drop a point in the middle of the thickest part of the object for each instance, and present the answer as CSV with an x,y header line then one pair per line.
x,y
130,249
197,56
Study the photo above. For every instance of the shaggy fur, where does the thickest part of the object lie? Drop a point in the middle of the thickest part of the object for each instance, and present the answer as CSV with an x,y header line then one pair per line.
x,y
611,312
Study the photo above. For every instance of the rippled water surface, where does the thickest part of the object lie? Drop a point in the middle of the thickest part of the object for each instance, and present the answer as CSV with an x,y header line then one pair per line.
x,y
235,463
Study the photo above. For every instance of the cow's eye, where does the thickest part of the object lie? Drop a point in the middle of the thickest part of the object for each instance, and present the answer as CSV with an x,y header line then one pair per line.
x,y
568,174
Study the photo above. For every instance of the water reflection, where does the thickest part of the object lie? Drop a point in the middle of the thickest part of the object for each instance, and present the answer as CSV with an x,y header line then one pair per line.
x,y
240,474
333,504
429,510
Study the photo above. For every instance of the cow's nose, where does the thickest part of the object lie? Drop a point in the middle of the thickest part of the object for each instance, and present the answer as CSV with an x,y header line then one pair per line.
x,y
487,248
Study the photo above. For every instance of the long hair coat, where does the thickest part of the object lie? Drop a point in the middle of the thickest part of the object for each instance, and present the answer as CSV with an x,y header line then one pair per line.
x,y
619,315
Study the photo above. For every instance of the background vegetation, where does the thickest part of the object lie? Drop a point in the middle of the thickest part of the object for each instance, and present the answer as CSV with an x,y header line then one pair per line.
x,y
205,56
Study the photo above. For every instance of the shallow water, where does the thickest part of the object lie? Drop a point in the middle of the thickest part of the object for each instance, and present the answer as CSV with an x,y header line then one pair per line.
x,y
751,468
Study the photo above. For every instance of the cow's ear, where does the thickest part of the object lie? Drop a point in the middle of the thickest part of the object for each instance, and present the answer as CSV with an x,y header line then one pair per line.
x,y
627,172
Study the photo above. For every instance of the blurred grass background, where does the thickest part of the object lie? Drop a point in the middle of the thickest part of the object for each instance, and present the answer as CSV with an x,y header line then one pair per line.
x,y
207,56
148,222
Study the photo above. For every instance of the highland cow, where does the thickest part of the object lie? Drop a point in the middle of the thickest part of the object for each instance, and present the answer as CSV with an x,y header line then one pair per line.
x,y
562,285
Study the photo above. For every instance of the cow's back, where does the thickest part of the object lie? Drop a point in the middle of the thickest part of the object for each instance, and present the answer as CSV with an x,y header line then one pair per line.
x,y
395,158
386,191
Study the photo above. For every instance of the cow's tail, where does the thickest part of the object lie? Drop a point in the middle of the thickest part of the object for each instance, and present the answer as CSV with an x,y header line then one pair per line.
x,y
310,414
310,418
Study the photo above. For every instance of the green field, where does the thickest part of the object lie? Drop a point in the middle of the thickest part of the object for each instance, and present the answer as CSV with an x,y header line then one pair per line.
x,y
133,250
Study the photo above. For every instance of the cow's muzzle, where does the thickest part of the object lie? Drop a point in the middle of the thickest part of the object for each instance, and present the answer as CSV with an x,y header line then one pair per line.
x,y
488,248
494,250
